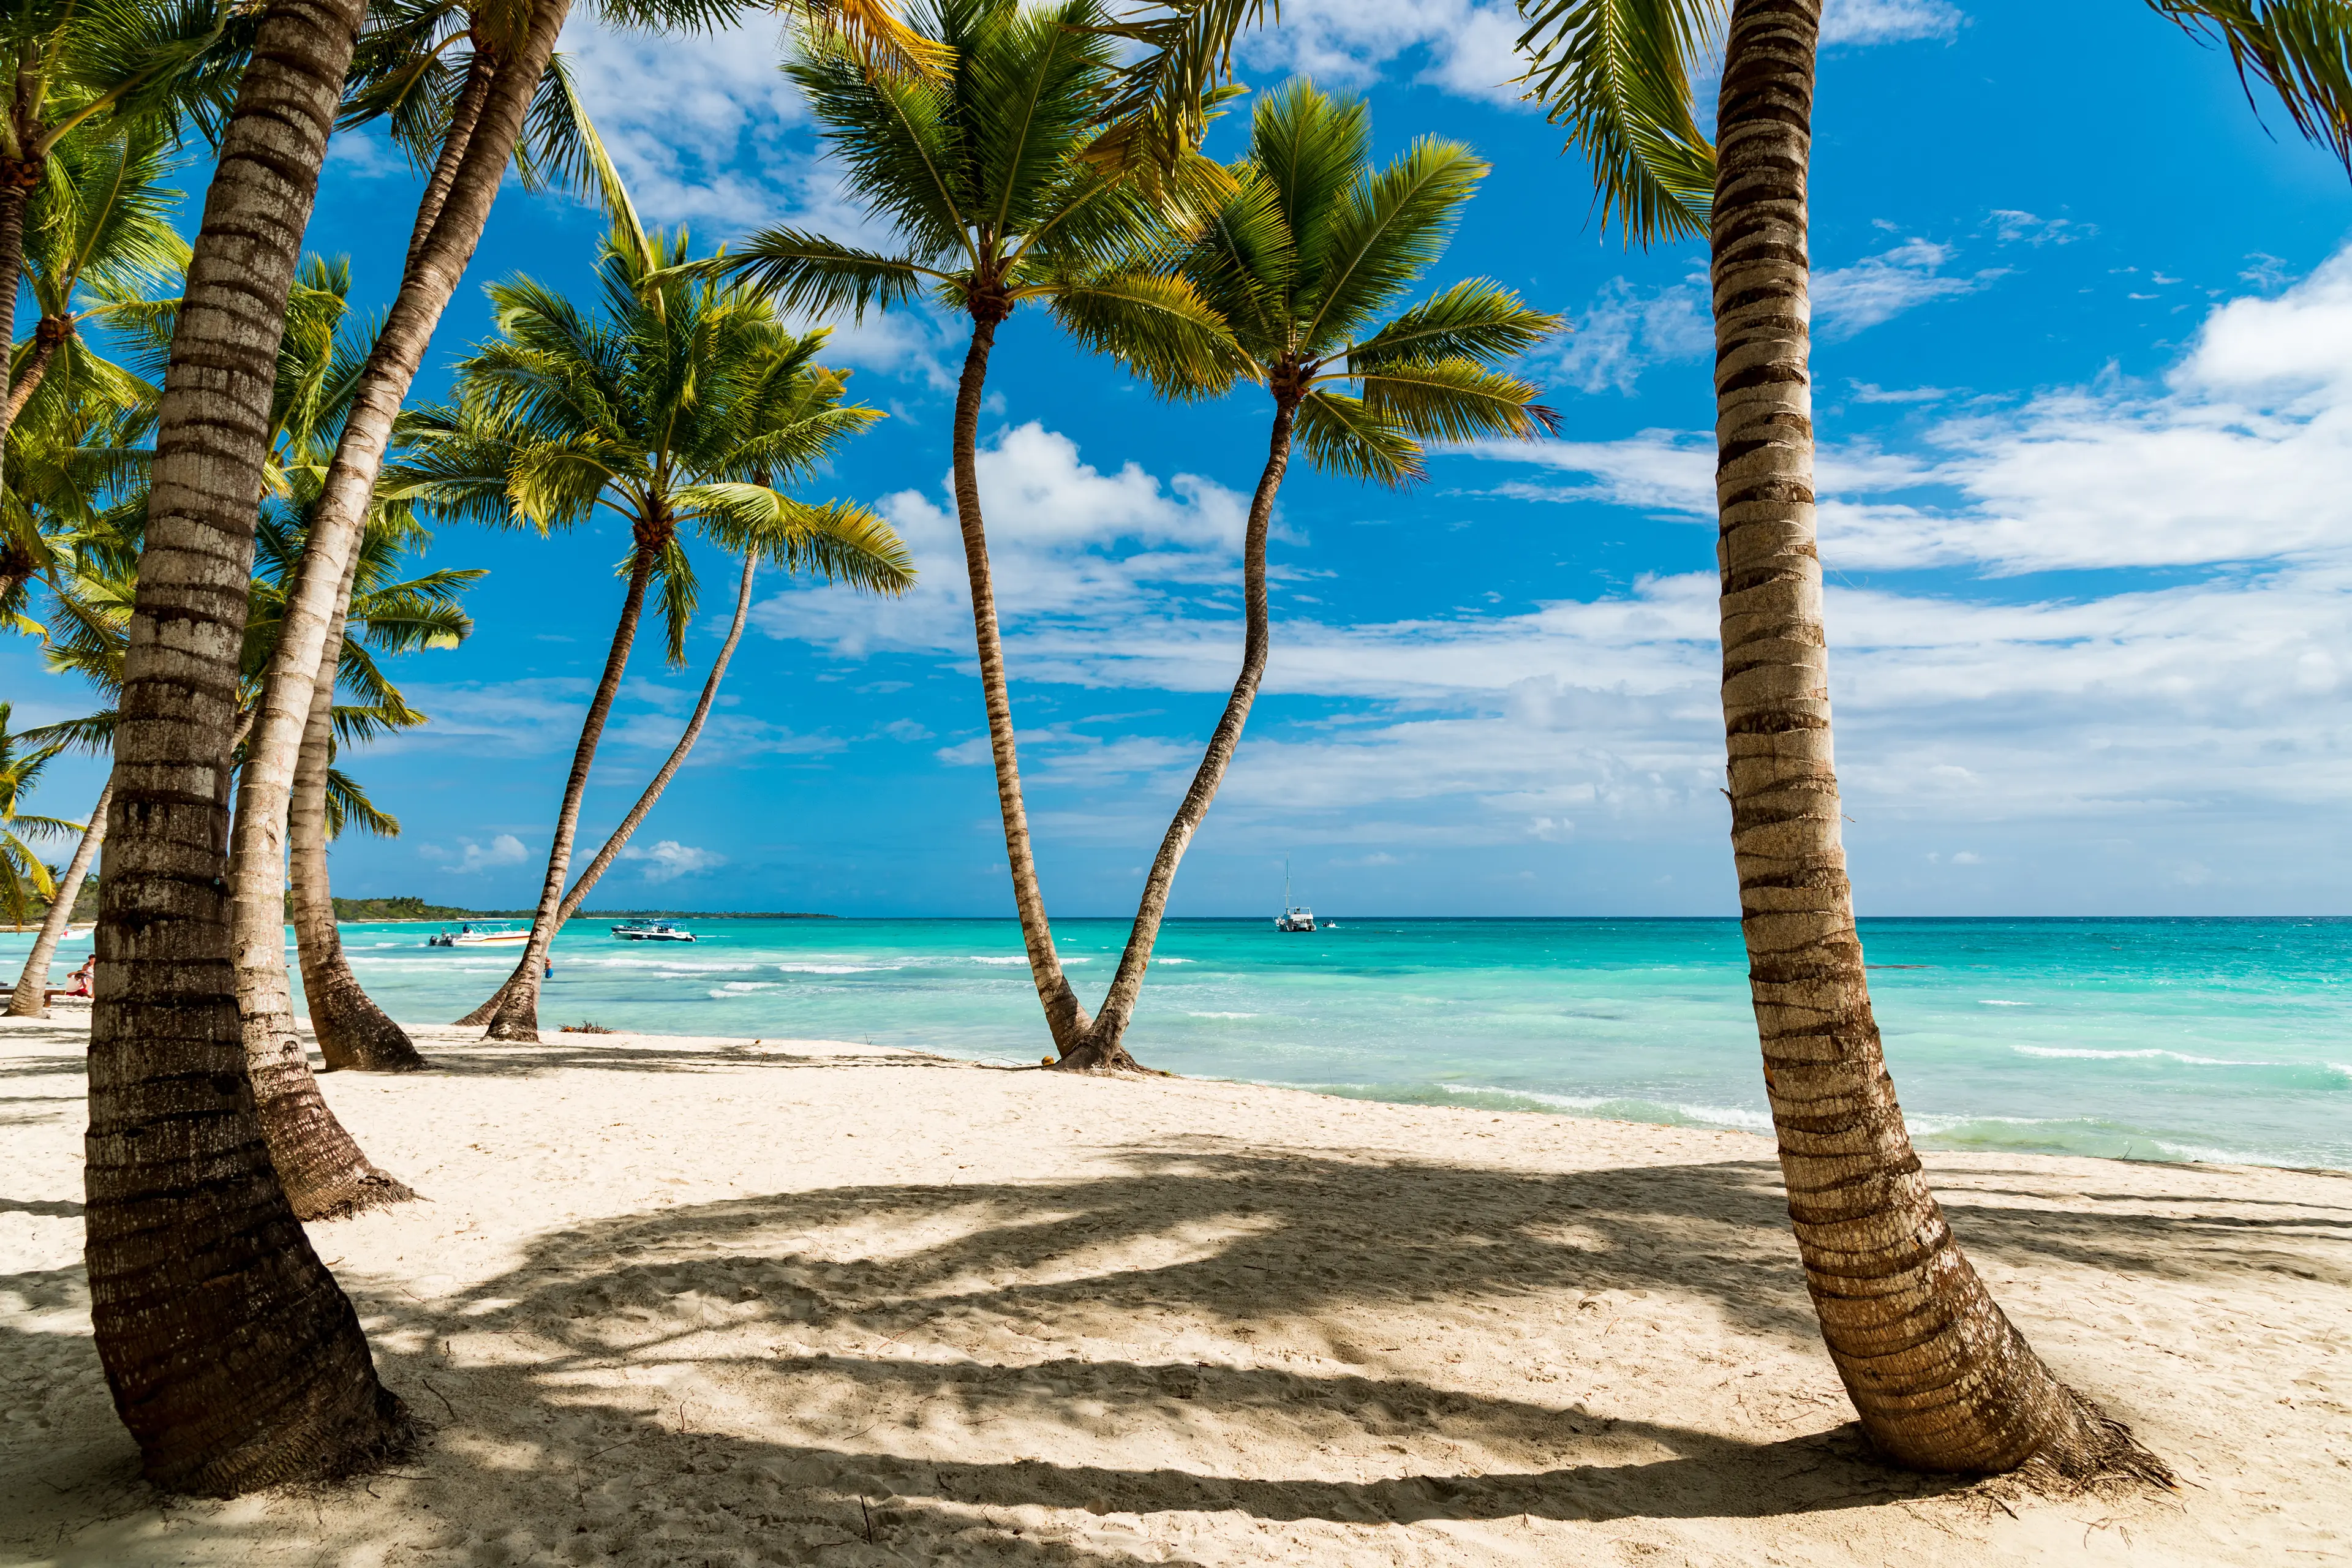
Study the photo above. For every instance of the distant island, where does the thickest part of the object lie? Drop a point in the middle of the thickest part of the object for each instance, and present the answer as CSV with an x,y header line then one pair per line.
x,y
414,908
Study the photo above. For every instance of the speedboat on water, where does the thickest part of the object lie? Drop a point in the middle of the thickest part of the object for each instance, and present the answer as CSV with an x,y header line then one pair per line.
x,y
504,935
651,930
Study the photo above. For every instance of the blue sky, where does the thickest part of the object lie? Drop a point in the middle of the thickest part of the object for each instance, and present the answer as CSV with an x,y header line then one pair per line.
x,y
2084,385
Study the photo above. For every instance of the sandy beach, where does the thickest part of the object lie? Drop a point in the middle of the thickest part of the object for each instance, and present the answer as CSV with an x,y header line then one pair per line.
x,y
682,1300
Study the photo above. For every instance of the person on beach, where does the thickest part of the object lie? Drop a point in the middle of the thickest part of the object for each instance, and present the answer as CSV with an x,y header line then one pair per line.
x,y
80,979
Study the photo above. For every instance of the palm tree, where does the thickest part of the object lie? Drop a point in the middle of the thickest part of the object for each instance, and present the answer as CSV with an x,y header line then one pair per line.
x,y
25,877
1941,1378
392,616
263,1375
71,64
78,489
683,408
98,238
986,180
618,839
1302,259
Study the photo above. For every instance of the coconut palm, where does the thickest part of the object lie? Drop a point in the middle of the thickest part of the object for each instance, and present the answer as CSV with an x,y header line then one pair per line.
x,y
680,410
98,238
77,490
78,65
25,877
986,179
263,1375
1306,260
1941,1378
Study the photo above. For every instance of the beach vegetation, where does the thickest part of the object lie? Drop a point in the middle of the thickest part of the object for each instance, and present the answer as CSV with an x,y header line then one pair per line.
x,y
27,881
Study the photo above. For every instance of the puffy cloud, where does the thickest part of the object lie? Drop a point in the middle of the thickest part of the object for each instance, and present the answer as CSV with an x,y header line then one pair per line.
x,y
505,850
669,860
1066,542
1887,21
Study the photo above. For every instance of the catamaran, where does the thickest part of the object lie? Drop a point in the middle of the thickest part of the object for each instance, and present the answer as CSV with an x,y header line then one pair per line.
x,y
651,930
1294,917
504,935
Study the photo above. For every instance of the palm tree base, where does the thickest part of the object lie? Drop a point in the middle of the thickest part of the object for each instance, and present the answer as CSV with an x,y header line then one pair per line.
x,y
1088,1056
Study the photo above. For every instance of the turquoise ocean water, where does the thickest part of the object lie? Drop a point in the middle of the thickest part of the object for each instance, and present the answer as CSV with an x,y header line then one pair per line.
x,y
2212,1039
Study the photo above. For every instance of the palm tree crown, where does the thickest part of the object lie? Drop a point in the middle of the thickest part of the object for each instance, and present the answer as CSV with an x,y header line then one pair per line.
x,y
23,876
687,405
1303,260
984,176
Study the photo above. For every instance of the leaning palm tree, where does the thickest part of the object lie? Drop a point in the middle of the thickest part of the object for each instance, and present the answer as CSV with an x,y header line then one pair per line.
x,y
1304,261
25,877
1941,1378
78,488
680,410
986,180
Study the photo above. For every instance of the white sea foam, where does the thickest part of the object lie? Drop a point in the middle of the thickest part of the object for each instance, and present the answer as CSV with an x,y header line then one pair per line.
x,y
1990,1002
980,958
837,968
1220,1014
2151,1052
742,987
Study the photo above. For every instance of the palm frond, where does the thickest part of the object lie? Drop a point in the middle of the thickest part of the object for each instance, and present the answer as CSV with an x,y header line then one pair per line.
x,y
1160,327
1342,436
1617,74
1454,400
347,806
2300,49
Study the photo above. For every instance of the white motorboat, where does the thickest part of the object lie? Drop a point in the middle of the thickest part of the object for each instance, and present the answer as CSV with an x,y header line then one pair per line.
x,y
504,935
651,930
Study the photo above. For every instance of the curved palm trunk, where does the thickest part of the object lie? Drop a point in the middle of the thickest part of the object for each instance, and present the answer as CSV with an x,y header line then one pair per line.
x,y
325,1172
1104,1045
48,338
352,1032
1064,1017
16,182
233,1357
451,231
516,1018
33,983
638,813
1943,1381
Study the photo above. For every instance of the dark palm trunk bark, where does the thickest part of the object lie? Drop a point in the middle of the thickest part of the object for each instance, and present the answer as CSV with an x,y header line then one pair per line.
x,y
233,1358
438,261
586,882
1943,1381
352,1032
1104,1045
18,179
33,983
1065,1018
517,1018
48,337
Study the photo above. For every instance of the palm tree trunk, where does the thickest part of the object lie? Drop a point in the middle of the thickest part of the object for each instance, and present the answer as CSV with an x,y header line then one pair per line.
x,y
336,522
16,182
638,813
1064,1017
1104,1045
48,338
33,983
233,1358
518,1017
352,1032
1942,1380
325,1172
464,115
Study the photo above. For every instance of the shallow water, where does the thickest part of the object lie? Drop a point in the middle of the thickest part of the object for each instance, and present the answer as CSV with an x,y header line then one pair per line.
x,y
2171,1039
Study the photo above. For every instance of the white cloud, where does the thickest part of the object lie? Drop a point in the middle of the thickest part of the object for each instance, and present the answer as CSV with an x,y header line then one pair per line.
x,y
505,850
1879,288
669,860
1887,21
1626,329
1066,539
1464,48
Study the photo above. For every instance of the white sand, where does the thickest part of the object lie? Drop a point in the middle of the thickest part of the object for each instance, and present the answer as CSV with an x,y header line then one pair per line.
x,y
705,1301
